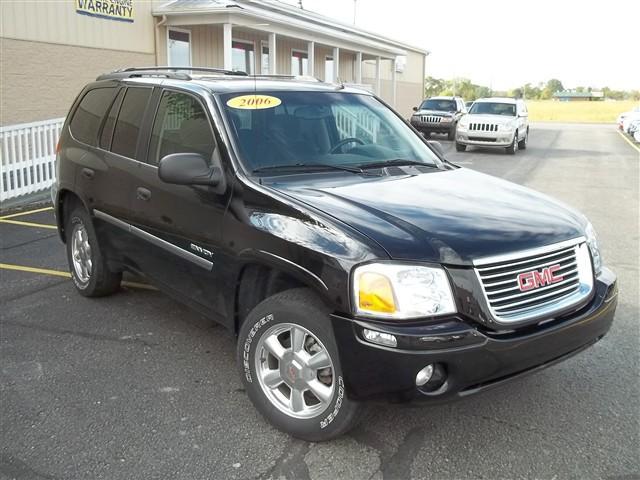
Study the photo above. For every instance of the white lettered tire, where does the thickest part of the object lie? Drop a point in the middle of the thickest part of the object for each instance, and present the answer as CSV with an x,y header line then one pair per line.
x,y
291,370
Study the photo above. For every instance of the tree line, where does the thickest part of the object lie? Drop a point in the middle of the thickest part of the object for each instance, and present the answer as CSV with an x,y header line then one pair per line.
x,y
464,88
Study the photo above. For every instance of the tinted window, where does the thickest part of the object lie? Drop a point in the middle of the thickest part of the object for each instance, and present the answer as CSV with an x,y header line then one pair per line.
x,y
125,135
88,116
322,129
488,108
181,126
110,122
439,105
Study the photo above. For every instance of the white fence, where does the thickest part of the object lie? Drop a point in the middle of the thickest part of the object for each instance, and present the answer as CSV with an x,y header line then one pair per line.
x,y
27,157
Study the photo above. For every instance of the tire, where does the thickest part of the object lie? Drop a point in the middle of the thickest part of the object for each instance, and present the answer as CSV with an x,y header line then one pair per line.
x,y
513,148
451,134
460,147
426,134
522,144
88,267
267,329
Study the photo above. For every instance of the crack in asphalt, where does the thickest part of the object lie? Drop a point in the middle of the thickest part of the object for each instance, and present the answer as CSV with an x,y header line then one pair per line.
x,y
400,462
33,292
90,336
17,469
29,242
290,464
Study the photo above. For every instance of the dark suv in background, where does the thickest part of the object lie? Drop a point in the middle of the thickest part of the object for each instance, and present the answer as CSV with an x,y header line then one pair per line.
x,y
351,260
439,115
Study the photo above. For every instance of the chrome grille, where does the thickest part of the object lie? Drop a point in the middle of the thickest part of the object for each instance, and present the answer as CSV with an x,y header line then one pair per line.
x,y
508,303
431,119
483,127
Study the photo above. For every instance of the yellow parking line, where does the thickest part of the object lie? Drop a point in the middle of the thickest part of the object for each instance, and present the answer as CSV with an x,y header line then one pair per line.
x,y
19,214
60,273
628,141
28,224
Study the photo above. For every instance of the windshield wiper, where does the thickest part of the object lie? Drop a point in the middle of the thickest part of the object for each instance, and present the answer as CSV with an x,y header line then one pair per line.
x,y
308,167
396,162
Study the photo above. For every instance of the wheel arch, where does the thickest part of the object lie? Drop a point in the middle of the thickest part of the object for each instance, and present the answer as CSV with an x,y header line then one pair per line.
x,y
264,274
65,201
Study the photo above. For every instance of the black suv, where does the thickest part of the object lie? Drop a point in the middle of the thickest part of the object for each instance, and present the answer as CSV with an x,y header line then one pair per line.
x,y
351,260
439,115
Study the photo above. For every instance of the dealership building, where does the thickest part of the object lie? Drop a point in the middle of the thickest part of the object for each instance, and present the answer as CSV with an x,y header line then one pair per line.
x,y
49,50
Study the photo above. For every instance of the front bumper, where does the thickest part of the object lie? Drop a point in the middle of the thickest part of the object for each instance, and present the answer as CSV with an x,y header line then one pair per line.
x,y
440,127
484,139
474,359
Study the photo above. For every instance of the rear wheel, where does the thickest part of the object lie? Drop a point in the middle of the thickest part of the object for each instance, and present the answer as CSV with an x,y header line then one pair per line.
x,y
291,369
460,147
89,270
513,148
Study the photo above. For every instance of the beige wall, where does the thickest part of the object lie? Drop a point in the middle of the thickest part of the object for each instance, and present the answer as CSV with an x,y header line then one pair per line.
x,y
58,22
41,80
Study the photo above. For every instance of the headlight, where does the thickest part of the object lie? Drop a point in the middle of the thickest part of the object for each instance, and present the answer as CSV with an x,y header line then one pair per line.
x,y
445,119
592,241
401,291
507,127
464,123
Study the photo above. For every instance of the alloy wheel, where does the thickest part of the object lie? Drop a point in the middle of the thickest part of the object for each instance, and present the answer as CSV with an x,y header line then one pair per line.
x,y
81,253
295,370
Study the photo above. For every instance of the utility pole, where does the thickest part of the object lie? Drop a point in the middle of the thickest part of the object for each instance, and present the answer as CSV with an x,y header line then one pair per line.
x,y
354,11
300,4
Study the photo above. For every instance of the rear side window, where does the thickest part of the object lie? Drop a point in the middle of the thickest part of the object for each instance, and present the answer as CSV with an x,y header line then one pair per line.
x,y
110,122
89,114
181,126
127,129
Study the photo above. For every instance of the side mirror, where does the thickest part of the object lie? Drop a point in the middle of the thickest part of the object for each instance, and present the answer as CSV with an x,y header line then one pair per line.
x,y
415,109
437,146
188,169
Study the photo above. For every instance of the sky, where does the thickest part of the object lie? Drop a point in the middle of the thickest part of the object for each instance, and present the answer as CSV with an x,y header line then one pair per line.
x,y
505,44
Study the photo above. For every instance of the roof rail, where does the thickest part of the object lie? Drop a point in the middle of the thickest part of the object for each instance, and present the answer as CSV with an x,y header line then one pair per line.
x,y
164,71
189,69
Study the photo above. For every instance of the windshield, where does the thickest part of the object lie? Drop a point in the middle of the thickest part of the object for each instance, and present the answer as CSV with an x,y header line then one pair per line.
x,y
490,108
439,105
312,129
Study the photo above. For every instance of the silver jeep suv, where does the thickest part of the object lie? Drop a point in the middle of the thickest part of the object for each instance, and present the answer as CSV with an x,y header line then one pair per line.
x,y
494,122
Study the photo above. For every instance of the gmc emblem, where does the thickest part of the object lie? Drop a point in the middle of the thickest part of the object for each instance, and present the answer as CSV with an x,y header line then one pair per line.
x,y
530,280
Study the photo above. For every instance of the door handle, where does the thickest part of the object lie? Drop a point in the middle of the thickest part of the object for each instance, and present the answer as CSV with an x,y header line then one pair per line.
x,y
88,173
143,194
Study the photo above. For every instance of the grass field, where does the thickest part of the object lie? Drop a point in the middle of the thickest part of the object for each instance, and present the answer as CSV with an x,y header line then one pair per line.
x,y
588,112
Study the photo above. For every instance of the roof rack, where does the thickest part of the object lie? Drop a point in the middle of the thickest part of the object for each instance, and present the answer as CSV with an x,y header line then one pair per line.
x,y
166,72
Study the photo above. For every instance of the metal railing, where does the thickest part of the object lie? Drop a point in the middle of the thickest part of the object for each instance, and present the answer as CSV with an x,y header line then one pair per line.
x,y
27,157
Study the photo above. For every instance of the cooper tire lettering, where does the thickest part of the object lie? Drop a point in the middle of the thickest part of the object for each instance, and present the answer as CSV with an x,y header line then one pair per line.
x,y
247,345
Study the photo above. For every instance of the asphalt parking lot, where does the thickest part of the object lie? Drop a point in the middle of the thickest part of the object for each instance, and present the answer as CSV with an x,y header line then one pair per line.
x,y
136,386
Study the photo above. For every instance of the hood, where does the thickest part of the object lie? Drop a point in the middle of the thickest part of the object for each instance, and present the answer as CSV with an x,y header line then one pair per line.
x,y
484,118
437,113
449,217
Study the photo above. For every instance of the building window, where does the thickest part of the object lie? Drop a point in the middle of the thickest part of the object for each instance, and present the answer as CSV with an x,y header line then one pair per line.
x,y
299,62
179,48
243,57
264,59
328,69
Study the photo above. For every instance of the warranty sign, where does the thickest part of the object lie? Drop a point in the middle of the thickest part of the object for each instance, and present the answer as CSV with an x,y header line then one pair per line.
x,y
121,10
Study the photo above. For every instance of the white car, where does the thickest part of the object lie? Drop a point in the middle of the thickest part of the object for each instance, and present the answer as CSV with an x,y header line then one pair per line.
x,y
628,120
494,122
635,113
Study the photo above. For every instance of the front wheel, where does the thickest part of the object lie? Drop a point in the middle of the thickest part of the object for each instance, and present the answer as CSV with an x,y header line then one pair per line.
x,y
522,144
460,147
291,369
452,133
89,270
513,148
